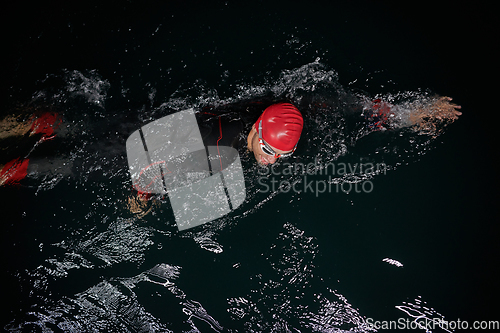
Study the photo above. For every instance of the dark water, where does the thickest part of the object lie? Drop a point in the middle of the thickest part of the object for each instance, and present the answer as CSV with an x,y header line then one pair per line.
x,y
76,258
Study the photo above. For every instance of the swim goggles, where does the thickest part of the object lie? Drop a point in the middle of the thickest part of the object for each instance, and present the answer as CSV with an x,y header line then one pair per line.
x,y
268,150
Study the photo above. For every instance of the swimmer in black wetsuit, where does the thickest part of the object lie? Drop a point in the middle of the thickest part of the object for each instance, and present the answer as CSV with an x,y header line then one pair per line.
x,y
275,134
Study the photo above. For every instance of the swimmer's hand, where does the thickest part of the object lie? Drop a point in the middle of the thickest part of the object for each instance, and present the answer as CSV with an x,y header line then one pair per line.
x,y
444,109
428,117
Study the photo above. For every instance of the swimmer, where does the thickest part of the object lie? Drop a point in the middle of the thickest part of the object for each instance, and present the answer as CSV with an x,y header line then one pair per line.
x,y
274,135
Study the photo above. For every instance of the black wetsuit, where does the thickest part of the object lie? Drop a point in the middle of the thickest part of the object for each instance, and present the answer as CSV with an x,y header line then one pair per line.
x,y
220,130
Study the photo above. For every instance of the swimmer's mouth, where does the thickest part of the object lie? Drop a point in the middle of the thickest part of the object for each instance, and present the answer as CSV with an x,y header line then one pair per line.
x,y
263,161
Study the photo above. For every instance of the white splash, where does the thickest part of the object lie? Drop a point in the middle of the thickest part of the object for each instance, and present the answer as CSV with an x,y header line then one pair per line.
x,y
393,262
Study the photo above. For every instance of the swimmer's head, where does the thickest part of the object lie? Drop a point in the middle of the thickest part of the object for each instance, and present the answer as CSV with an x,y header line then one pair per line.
x,y
276,133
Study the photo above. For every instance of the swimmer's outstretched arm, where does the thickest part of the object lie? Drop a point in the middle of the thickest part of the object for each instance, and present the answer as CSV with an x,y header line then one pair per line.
x,y
424,115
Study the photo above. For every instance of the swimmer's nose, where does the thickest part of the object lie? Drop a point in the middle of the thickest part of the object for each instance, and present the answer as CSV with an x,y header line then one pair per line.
x,y
272,159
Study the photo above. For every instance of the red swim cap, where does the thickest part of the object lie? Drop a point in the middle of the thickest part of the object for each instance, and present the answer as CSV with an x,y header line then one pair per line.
x,y
281,126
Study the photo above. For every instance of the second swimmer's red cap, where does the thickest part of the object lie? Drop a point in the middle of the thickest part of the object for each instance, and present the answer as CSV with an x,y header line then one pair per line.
x,y
282,125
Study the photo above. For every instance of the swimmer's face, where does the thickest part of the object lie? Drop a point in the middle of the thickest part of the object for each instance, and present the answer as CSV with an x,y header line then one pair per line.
x,y
255,147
